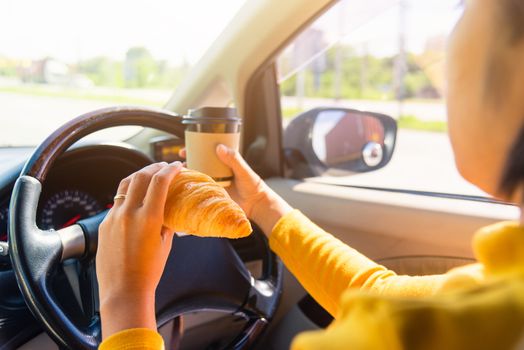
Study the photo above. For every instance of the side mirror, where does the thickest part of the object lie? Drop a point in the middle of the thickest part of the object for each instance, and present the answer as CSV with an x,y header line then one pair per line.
x,y
335,141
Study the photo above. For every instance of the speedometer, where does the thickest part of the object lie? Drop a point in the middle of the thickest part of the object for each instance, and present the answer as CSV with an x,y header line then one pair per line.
x,y
66,207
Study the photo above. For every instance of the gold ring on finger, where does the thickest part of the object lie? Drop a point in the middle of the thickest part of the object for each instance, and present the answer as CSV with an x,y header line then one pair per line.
x,y
119,196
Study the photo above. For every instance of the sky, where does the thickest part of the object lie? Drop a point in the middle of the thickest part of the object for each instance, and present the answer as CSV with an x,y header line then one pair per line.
x,y
178,30
324,123
72,30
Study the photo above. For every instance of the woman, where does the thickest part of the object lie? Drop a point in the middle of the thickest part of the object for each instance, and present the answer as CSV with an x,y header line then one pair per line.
x,y
479,306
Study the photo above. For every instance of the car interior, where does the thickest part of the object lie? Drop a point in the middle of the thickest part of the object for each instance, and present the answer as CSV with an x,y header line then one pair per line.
x,y
220,293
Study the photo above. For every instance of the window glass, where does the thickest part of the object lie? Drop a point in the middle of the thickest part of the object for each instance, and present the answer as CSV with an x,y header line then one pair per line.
x,y
378,56
63,58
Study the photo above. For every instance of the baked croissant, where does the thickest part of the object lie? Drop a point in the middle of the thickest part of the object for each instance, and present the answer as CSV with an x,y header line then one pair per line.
x,y
199,206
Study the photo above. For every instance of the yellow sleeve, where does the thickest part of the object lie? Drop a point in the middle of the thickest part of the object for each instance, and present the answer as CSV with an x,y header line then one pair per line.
x,y
327,267
485,317
134,339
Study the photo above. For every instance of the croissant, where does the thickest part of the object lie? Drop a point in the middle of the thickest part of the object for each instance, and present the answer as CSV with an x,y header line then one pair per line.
x,y
199,206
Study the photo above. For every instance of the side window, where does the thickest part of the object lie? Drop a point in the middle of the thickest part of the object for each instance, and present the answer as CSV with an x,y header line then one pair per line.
x,y
360,74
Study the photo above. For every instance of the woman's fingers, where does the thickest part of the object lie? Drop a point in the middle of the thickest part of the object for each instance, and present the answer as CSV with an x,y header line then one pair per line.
x,y
122,190
139,184
182,153
234,160
156,196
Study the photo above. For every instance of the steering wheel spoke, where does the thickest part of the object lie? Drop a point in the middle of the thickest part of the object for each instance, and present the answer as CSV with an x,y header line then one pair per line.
x,y
35,256
73,242
44,247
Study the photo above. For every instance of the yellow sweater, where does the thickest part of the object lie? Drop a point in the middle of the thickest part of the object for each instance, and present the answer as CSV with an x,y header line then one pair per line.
x,y
479,306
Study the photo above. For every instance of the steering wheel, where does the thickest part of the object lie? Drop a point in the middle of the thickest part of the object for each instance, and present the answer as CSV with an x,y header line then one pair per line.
x,y
204,274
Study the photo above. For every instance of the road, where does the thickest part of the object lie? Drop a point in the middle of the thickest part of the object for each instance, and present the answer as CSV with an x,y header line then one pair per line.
x,y
421,161
27,120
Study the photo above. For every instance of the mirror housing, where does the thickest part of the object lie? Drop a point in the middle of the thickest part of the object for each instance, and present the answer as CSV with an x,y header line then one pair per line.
x,y
338,141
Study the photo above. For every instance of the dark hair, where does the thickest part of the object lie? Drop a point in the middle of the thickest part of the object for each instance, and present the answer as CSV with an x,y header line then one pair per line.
x,y
512,12
513,173
511,20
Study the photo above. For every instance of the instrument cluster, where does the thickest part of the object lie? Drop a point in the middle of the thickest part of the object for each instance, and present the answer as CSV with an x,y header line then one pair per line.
x,y
80,185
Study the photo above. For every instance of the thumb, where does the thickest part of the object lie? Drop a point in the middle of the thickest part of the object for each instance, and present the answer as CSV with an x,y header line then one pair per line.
x,y
234,160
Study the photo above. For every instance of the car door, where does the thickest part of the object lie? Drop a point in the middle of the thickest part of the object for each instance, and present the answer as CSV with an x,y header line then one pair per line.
x,y
416,215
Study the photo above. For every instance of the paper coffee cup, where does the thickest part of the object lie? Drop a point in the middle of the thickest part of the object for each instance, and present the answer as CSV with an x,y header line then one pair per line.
x,y
206,128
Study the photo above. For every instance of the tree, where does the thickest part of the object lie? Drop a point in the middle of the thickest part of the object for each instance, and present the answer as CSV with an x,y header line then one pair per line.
x,y
102,71
361,76
139,67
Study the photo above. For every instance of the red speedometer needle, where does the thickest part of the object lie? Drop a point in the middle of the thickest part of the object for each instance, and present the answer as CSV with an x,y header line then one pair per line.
x,y
71,221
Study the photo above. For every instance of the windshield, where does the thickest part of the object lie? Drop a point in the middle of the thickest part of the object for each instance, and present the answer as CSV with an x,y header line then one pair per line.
x,y
63,58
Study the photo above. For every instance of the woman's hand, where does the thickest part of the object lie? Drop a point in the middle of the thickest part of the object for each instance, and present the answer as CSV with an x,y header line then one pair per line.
x,y
259,202
133,247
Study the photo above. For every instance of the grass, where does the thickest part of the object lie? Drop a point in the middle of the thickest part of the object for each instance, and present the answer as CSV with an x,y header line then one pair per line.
x,y
413,123
288,113
34,90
